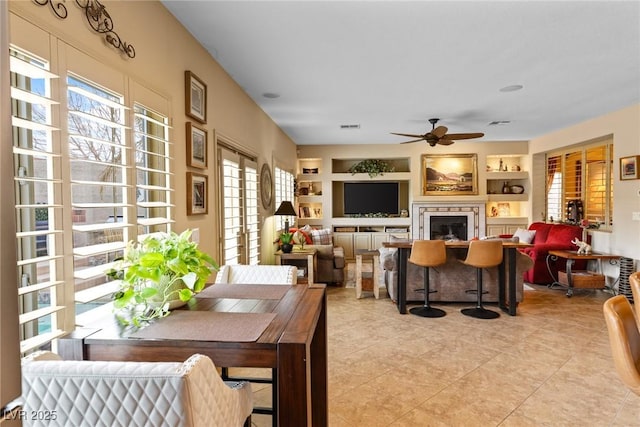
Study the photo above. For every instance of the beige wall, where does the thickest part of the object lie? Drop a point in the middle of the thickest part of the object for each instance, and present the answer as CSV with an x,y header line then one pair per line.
x,y
624,127
164,50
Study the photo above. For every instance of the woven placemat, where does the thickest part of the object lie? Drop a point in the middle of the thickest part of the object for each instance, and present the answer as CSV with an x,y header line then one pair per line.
x,y
207,326
240,291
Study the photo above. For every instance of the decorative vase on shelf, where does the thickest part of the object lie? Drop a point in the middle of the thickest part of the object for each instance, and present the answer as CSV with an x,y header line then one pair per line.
x,y
505,188
287,248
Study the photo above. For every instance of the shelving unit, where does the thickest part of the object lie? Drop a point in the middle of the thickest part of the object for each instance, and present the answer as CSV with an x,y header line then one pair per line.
x,y
506,207
320,201
310,191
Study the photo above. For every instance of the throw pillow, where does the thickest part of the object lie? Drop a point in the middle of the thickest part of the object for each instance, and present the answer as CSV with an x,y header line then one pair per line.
x,y
524,236
300,234
322,237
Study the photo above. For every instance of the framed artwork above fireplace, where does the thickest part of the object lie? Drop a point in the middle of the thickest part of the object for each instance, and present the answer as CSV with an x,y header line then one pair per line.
x,y
449,174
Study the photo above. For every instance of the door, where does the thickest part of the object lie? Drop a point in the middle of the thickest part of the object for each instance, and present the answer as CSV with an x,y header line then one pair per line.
x,y
239,205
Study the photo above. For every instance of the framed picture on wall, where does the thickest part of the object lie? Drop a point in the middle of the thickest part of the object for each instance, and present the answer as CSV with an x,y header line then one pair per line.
x,y
197,199
196,97
196,146
629,167
449,174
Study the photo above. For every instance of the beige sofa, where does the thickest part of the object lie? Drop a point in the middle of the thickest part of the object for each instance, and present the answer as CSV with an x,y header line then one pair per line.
x,y
330,264
451,280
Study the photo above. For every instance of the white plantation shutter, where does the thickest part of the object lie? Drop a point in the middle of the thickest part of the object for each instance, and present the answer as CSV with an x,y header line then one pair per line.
x,y
92,171
153,174
240,222
584,174
38,200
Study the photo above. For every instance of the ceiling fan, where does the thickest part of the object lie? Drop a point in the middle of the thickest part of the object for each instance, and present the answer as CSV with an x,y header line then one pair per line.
x,y
438,135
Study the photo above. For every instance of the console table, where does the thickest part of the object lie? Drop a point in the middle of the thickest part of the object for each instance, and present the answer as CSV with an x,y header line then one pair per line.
x,y
508,261
579,279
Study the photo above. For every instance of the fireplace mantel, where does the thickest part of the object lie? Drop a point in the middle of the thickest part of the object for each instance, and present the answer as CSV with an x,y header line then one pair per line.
x,y
422,211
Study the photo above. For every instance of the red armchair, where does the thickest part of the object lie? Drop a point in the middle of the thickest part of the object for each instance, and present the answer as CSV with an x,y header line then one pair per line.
x,y
549,237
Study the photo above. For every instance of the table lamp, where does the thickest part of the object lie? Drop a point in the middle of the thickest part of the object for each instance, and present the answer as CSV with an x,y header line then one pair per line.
x,y
285,209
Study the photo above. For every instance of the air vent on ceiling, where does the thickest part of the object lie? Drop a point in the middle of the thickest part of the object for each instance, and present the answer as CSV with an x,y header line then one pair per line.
x,y
499,122
349,126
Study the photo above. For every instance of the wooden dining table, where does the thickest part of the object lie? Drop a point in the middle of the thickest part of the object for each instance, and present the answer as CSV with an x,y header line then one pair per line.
x,y
506,296
281,327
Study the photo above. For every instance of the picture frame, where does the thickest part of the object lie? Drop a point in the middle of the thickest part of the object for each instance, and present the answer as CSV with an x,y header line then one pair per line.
x,y
195,97
449,174
629,167
197,152
197,196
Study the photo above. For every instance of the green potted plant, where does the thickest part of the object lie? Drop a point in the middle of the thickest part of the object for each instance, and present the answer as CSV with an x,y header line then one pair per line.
x,y
286,242
158,274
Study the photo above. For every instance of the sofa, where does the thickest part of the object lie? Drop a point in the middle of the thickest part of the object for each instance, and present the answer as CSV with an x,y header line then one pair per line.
x,y
451,281
330,264
330,258
550,237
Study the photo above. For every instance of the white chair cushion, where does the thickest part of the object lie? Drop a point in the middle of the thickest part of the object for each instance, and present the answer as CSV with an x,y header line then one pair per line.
x,y
95,394
258,274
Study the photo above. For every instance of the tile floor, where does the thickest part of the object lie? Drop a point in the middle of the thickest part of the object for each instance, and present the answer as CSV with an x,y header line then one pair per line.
x,y
548,366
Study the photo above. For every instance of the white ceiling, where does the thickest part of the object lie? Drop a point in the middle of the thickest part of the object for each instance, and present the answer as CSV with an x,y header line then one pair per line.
x,y
391,65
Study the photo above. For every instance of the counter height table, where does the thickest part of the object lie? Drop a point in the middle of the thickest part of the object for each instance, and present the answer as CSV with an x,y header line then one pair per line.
x,y
280,327
509,258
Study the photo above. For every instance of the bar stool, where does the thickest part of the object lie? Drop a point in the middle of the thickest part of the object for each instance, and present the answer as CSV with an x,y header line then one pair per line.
x,y
482,254
428,253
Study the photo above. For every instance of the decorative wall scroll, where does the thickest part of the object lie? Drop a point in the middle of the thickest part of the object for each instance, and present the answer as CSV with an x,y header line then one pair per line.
x,y
197,199
449,174
196,146
195,97
98,18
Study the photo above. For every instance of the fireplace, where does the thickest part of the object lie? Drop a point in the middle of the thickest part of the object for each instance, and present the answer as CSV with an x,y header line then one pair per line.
x,y
452,227
448,221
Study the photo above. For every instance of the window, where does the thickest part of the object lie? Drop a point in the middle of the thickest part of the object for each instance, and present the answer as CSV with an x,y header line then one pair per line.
x,y
82,191
240,223
580,184
283,184
38,195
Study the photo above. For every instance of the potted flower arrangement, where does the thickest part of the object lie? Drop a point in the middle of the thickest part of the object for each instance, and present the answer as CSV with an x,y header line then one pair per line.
x,y
158,274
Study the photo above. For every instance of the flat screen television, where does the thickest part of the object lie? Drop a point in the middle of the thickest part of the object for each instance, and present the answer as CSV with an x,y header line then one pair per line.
x,y
365,198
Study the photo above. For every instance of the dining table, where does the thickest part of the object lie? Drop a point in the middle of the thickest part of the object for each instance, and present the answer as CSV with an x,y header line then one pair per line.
x,y
281,327
506,291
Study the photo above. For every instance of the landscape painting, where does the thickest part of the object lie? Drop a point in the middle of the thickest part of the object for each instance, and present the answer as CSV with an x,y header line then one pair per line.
x,y
449,174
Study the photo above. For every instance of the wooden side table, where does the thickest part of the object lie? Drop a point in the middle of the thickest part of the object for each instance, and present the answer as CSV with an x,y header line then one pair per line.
x,y
308,255
580,279
374,257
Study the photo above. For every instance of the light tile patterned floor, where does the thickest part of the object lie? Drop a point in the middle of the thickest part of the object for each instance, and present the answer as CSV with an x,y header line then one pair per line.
x,y
548,366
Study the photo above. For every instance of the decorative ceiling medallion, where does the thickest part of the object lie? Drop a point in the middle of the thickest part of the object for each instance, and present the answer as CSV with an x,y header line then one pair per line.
x,y
98,18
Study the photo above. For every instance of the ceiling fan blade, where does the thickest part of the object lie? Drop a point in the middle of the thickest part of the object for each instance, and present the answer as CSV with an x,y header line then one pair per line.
x,y
443,141
440,131
413,140
410,135
463,135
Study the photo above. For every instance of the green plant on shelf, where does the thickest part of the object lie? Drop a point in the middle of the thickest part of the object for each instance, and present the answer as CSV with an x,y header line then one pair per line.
x,y
373,167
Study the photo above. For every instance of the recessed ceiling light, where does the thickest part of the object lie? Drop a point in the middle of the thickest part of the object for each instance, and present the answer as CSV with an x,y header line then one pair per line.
x,y
271,95
511,88
350,126
499,122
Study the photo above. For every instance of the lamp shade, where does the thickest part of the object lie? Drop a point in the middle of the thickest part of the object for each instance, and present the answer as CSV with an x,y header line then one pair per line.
x,y
285,208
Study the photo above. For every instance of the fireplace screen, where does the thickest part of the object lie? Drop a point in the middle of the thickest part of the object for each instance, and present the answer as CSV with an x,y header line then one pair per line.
x,y
448,227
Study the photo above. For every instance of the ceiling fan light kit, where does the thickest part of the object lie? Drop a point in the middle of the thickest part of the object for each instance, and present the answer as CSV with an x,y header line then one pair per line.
x,y
438,135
